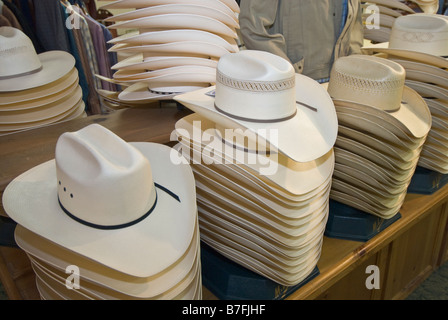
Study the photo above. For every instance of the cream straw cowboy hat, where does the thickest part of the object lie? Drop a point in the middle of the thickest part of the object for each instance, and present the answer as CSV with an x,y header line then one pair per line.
x,y
102,282
259,91
139,4
22,68
101,192
383,94
178,21
419,37
167,36
228,19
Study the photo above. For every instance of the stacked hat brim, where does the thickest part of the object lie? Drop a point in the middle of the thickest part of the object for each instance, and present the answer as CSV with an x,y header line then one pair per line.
x,y
50,95
377,151
427,74
149,258
175,48
271,224
386,11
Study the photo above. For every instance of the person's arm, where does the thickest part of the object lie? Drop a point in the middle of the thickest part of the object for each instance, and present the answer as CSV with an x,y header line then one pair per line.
x,y
256,18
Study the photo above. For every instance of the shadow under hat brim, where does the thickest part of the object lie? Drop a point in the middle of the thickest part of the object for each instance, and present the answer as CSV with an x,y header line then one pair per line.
x,y
308,135
142,249
55,65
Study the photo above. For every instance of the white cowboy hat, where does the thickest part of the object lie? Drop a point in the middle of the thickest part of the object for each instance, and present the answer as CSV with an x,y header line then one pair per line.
x,y
39,102
132,76
167,36
40,113
75,111
22,68
377,85
189,48
129,206
138,62
259,91
392,165
138,4
426,71
110,283
418,37
394,4
428,90
228,19
179,21
41,92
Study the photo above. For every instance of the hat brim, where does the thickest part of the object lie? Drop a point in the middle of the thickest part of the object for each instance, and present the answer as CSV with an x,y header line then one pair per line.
x,y
427,90
10,99
376,126
228,17
297,179
393,4
131,76
139,4
55,65
383,47
393,165
40,113
308,135
413,116
178,21
195,48
97,276
74,112
179,35
138,62
142,93
141,250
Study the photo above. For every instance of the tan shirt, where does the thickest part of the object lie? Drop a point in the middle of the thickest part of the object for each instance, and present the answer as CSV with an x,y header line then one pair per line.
x,y
305,32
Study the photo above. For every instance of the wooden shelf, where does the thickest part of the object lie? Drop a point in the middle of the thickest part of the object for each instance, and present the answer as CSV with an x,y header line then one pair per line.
x,y
406,252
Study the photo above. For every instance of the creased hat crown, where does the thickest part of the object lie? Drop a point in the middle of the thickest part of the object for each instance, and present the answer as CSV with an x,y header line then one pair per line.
x,y
427,33
368,80
17,53
255,85
102,180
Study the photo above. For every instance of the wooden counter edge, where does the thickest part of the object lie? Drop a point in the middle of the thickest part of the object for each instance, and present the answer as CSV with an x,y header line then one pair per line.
x,y
411,214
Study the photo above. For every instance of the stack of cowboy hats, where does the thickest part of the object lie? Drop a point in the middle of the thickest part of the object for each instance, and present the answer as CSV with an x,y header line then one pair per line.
x,y
383,125
118,219
384,13
420,44
260,143
175,47
35,90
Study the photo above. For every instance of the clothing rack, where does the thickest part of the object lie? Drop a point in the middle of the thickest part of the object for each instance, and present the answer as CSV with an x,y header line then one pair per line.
x,y
73,26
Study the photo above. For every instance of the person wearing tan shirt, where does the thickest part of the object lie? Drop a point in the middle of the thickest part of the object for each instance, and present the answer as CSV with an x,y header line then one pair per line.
x,y
310,34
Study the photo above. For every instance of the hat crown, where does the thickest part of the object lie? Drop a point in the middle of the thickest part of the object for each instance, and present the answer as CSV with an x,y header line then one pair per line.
x,y
102,180
255,85
368,80
17,53
427,33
